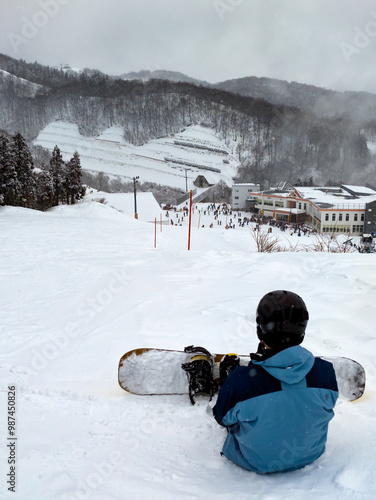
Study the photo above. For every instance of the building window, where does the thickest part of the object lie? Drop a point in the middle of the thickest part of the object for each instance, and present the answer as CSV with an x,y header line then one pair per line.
x,y
326,216
340,217
336,229
305,206
355,217
236,197
362,217
300,206
333,216
347,217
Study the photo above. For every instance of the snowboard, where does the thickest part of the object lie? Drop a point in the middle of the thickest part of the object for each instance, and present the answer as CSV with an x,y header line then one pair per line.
x,y
151,372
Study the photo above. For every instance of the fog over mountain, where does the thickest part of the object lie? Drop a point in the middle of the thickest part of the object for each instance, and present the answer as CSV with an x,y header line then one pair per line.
x,y
316,42
281,130
359,106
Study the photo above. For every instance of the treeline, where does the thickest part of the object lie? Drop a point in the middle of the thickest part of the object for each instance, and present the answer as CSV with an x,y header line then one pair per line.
x,y
35,72
24,185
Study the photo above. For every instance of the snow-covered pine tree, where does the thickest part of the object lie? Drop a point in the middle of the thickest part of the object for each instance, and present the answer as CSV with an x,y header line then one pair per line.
x,y
8,174
24,165
74,187
57,171
44,188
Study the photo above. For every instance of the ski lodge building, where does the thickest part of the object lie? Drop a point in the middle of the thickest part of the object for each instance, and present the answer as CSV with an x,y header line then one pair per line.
x,y
241,195
344,209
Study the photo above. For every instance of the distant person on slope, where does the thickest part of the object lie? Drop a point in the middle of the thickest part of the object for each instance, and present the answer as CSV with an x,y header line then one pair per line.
x,y
277,409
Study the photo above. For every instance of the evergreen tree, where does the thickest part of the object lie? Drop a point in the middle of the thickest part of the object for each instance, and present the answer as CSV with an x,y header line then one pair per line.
x,y
3,161
24,165
57,171
8,175
74,188
44,189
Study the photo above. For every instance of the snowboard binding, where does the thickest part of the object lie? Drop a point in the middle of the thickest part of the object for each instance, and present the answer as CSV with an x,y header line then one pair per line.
x,y
227,364
199,372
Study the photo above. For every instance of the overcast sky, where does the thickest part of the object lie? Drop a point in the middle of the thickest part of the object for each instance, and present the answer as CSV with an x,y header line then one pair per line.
x,y
329,43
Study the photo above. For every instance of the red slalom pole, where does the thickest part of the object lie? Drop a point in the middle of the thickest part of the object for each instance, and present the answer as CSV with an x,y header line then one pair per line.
x,y
190,220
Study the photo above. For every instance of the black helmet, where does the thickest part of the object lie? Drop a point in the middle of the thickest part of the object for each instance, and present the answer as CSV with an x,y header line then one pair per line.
x,y
282,319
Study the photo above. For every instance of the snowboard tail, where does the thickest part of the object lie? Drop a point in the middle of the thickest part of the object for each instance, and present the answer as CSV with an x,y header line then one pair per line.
x,y
152,372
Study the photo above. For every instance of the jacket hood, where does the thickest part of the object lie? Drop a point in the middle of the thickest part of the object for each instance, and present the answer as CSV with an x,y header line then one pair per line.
x,y
290,365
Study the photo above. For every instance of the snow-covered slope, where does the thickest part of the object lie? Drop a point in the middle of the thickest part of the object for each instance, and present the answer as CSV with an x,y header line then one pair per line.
x,y
147,206
165,161
21,87
83,284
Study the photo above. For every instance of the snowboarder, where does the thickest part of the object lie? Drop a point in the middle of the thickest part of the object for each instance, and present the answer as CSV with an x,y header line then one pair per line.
x,y
277,409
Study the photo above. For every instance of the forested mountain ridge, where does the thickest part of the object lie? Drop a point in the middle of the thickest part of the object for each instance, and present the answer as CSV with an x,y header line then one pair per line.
x,y
274,141
173,76
359,107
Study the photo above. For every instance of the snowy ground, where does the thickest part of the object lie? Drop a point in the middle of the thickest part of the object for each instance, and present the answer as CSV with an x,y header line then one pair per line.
x,y
84,284
147,206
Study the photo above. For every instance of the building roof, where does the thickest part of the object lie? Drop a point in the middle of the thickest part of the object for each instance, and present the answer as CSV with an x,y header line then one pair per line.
x,y
340,197
210,178
359,190
332,196
286,210
245,184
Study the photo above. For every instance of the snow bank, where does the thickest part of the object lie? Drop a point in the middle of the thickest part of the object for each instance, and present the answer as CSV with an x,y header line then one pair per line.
x,y
147,206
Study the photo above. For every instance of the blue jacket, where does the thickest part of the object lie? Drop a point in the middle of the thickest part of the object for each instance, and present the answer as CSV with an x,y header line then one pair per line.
x,y
277,411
